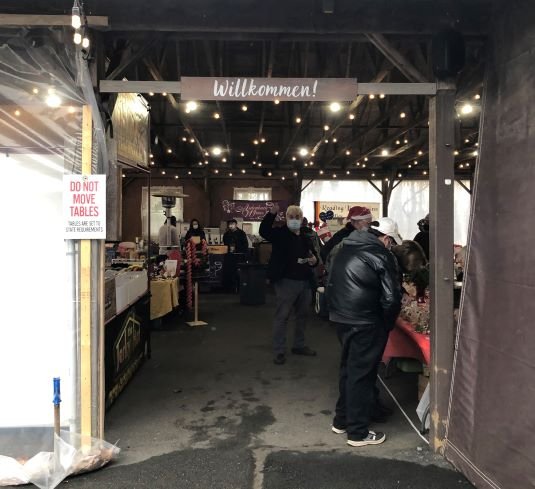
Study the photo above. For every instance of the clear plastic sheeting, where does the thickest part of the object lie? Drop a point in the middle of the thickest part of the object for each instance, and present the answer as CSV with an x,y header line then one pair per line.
x,y
44,85
71,455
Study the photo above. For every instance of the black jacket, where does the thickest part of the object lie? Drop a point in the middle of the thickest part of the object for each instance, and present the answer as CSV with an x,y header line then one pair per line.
x,y
364,288
337,238
280,238
238,238
422,238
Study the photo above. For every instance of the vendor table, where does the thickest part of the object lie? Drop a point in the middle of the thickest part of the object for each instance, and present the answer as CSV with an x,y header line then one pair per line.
x,y
404,342
164,297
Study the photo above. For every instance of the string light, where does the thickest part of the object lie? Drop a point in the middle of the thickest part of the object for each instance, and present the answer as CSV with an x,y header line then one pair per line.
x,y
477,96
176,177
151,94
216,115
269,174
311,163
260,165
152,163
402,115
216,151
295,173
298,120
325,127
365,158
351,116
192,141
398,142
405,141
76,20
151,156
384,152
35,91
17,113
77,38
53,99
335,140
230,174
216,171
169,150
123,175
382,95
303,152
347,172
420,153
467,109
184,139
467,140
243,170
306,164
348,152
326,141
242,154
244,108
373,174
294,158
456,153
334,175
364,165
191,105
321,172
224,160
255,141
164,94
424,172
163,172
276,153
276,101
85,42
399,175
263,140
372,96
189,173
71,110
335,107
283,178
415,162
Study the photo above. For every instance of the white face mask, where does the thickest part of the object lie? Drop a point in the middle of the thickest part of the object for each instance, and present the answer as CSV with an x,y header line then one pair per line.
x,y
195,226
294,224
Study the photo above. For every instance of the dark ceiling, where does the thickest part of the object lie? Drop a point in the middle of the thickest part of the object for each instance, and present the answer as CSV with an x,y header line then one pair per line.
x,y
164,40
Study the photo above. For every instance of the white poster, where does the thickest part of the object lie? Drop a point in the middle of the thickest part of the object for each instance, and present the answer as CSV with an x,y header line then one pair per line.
x,y
341,209
84,206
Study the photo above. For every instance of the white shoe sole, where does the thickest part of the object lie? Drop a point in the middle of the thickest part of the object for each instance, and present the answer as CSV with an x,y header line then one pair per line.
x,y
337,431
365,443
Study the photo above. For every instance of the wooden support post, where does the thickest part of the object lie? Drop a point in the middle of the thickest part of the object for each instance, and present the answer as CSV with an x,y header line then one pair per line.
x,y
85,293
442,178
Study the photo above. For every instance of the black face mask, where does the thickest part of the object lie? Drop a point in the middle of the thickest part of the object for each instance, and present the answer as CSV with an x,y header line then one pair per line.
x,y
423,225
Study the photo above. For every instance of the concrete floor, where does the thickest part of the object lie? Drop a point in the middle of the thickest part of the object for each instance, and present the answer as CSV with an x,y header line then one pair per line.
x,y
212,406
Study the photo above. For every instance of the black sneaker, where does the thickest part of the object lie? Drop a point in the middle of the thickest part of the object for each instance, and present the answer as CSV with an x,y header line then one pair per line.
x,y
306,351
280,359
373,438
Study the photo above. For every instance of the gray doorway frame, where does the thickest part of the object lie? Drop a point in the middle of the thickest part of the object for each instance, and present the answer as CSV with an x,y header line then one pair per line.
x,y
441,180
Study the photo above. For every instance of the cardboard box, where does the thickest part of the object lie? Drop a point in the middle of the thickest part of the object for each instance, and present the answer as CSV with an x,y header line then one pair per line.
x,y
217,249
422,384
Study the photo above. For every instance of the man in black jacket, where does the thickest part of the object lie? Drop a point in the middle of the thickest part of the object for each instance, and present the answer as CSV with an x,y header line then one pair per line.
x,y
358,218
290,271
364,301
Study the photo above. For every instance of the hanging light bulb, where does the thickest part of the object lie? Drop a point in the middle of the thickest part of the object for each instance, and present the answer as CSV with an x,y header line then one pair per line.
x,y
52,99
77,38
76,20
85,42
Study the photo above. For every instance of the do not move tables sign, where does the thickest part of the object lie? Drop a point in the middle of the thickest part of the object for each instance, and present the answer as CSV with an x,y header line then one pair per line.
x,y
84,206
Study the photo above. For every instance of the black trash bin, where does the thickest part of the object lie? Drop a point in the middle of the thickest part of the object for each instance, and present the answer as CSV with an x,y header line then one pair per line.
x,y
252,283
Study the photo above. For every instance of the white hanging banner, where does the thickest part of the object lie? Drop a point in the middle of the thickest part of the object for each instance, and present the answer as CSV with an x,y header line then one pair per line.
x,y
84,206
269,89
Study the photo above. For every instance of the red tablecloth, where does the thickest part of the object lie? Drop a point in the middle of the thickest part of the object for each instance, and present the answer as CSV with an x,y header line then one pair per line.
x,y
404,342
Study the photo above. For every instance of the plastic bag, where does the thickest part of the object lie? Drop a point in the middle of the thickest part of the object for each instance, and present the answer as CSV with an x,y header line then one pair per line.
x,y
73,454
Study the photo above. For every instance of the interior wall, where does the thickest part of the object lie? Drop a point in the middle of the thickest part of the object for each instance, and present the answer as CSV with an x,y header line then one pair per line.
x,y
205,206
491,418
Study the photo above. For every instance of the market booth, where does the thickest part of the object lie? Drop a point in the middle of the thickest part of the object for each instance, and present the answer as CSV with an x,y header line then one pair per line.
x,y
55,163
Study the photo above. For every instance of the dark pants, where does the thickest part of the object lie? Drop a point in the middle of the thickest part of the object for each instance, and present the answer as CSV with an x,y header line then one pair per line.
x,y
290,294
362,350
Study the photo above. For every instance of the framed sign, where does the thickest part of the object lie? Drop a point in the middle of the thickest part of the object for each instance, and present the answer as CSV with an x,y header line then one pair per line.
x,y
84,206
269,89
341,209
250,210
